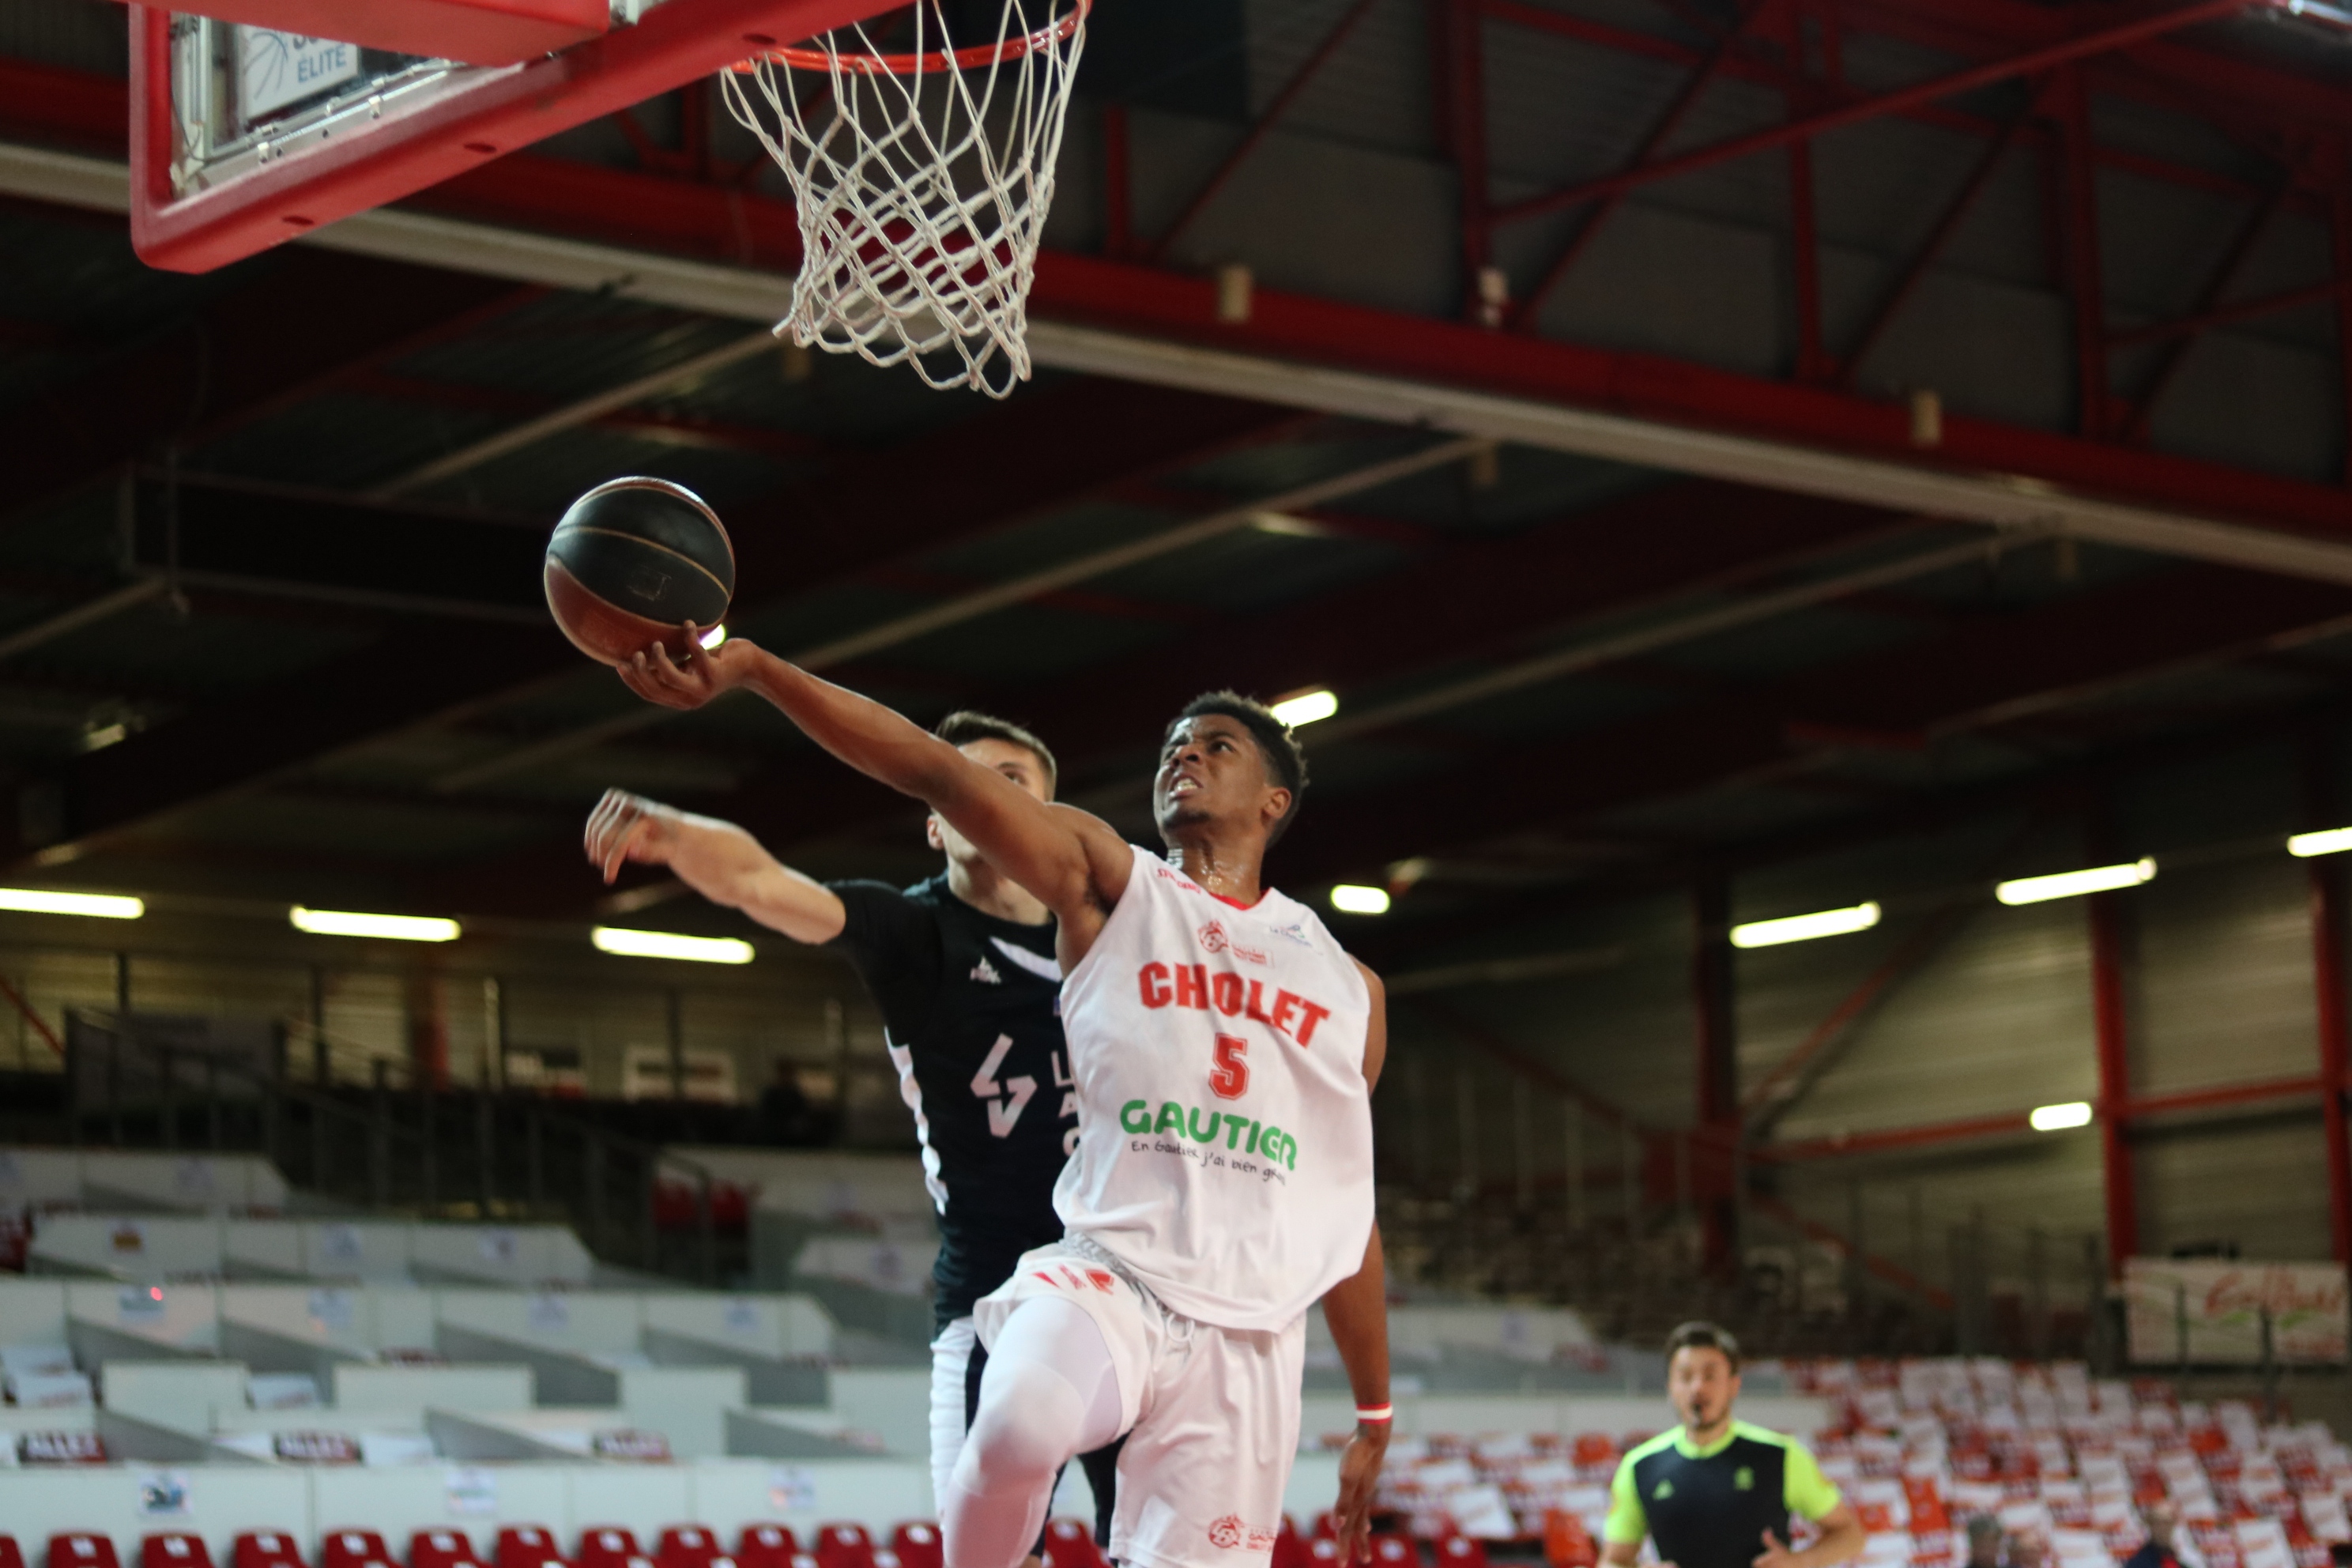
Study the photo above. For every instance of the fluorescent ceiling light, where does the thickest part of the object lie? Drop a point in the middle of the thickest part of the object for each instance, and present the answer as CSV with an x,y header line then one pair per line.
x,y
669,944
43,902
1351,900
2058,1118
1804,928
713,637
395,928
2074,884
2334,841
1305,708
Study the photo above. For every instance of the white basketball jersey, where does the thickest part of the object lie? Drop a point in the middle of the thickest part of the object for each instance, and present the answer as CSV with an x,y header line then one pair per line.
x,y
1225,1129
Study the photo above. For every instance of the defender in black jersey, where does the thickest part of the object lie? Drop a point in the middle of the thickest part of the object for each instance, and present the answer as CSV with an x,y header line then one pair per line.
x,y
962,968
1715,1492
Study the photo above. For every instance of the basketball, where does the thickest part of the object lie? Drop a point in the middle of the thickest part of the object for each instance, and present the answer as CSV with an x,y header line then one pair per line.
x,y
633,561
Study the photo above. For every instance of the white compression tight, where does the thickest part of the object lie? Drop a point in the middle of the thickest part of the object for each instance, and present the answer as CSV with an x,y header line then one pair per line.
x,y
1049,1392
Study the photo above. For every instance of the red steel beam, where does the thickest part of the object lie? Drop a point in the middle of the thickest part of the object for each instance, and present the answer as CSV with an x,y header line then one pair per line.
x,y
1898,293
2112,1025
2222,315
2330,930
2008,1123
2339,223
1524,312
1299,83
2047,57
2224,274
1804,234
2077,199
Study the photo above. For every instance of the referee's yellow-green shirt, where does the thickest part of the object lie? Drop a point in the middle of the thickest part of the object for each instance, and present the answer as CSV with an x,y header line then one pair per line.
x,y
1709,1508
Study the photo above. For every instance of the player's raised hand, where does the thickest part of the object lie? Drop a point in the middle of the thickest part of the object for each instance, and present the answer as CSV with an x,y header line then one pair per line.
x,y
1775,1554
689,681
625,828
1360,1476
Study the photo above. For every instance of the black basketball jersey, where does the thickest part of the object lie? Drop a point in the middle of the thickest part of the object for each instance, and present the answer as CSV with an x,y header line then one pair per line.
x,y
972,1009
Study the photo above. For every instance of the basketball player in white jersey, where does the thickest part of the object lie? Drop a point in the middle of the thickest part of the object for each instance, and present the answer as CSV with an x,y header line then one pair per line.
x,y
1224,1048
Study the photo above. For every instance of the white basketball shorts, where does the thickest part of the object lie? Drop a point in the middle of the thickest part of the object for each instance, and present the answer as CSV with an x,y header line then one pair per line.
x,y
1211,1415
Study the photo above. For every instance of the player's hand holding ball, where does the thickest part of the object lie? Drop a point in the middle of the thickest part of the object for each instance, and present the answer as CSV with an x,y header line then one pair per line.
x,y
637,573
692,679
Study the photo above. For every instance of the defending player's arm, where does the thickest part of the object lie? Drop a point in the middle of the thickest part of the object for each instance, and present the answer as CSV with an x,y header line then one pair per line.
x,y
1809,1492
1357,1312
1073,862
716,859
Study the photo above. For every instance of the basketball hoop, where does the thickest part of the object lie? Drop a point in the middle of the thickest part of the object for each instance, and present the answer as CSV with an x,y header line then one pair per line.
x,y
922,180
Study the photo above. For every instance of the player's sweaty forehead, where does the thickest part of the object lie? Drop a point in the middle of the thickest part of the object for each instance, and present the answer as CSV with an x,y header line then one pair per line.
x,y
1695,1363
1203,727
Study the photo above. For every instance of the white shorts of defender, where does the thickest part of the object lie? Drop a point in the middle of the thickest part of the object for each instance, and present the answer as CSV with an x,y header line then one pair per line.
x,y
1211,1415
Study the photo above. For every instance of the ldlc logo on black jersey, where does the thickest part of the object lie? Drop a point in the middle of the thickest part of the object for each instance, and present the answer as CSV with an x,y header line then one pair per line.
x,y
985,973
1002,1114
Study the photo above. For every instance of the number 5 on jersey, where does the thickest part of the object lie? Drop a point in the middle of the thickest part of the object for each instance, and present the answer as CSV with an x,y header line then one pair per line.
x,y
1230,1078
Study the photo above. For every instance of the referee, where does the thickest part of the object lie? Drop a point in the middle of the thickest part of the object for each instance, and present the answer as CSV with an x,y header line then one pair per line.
x,y
962,968
1717,1493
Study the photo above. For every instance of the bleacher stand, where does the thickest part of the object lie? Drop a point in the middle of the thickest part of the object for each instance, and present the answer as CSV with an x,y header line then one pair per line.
x,y
687,1546
522,1546
844,1546
608,1546
762,1546
78,1549
442,1548
1071,1544
916,1545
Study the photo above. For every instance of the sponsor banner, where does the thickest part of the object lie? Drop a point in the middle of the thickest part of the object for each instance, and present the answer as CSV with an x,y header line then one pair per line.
x,y
2217,1307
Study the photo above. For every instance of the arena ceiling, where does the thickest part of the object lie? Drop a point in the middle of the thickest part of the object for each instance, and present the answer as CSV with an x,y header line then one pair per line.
x,y
1649,556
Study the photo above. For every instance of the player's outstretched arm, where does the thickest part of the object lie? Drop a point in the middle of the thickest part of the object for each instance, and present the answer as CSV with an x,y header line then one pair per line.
x,y
716,859
1072,861
1357,1312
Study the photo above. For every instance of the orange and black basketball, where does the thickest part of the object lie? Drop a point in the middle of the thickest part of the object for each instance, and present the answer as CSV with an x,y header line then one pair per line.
x,y
633,561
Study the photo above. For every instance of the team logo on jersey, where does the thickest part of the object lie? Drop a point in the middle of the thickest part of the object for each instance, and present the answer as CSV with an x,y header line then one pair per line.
x,y
1215,937
985,973
1232,1535
1743,1480
1002,1114
1296,932
1665,1489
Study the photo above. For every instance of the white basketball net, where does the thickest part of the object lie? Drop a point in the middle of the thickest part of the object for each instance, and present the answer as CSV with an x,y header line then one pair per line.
x,y
922,192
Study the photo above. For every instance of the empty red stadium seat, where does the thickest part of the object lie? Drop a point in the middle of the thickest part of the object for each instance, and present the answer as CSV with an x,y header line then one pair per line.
x,y
1390,1550
1460,1552
352,1549
917,1543
1069,1543
1327,1526
79,1549
762,1546
174,1551
844,1546
523,1546
11,1555
1323,1551
687,1546
265,1549
1289,1546
606,1546
442,1548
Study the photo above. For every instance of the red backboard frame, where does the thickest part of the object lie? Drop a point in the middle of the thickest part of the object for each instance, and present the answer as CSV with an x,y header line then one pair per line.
x,y
495,110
